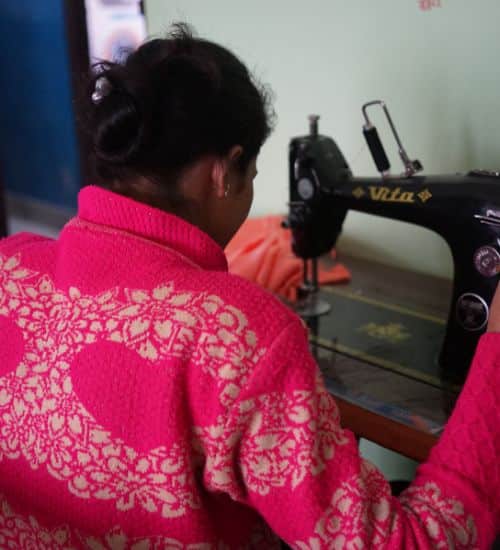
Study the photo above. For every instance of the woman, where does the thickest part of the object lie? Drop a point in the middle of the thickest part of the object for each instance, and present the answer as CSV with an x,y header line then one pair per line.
x,y
151,400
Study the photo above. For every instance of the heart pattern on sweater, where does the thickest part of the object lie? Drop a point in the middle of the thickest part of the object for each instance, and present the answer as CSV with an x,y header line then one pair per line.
x,y
138,393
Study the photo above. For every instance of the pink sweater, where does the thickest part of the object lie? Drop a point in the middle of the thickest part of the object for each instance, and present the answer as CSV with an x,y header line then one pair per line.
x,y
150,400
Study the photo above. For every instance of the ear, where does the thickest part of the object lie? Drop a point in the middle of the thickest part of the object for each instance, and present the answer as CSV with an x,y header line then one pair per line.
x,y
221,169
235,153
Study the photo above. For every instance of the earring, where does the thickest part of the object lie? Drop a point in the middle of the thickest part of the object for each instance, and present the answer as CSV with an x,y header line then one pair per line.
x,y
226,191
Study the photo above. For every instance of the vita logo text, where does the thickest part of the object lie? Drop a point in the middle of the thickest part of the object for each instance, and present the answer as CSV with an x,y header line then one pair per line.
x,y
385,194
381,193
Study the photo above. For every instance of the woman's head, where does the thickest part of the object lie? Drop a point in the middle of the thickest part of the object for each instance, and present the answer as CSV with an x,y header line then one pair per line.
x,y
179,110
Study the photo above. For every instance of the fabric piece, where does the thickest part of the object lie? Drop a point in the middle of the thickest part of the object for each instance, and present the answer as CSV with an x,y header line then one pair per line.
x,y
150,399
261,251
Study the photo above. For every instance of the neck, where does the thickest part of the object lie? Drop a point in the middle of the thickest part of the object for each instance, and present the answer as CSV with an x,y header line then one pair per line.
x,y
147,192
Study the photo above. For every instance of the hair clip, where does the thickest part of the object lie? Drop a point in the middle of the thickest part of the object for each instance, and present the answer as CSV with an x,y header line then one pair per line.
x,y
102,89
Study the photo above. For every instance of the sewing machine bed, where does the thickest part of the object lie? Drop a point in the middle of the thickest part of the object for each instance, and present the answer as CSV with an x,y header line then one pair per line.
x,y
379,345
382,333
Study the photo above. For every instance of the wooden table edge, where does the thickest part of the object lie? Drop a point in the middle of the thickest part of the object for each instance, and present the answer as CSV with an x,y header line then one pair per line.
x,y
410,442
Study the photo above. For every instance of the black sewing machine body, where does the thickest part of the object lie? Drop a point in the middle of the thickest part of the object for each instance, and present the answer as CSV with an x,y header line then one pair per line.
x,y
323,189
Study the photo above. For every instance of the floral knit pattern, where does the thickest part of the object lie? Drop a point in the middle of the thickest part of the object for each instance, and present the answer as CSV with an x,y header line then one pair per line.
x,y
19,532
43,420
288,437
446,522
359,514
51,428
151,400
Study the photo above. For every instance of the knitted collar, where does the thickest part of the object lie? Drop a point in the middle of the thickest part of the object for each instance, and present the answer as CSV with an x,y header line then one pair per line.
x,y
103,207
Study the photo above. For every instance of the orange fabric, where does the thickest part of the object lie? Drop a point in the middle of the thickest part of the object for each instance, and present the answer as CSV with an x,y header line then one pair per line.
x,y
261,252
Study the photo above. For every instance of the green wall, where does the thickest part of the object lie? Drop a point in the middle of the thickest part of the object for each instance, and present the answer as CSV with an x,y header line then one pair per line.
x,y
438,70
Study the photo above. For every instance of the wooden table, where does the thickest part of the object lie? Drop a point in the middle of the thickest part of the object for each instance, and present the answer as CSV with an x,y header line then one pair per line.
x,y
396,411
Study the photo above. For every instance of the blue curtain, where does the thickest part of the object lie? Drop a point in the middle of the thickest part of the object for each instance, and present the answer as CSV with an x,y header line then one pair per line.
x,y
38,144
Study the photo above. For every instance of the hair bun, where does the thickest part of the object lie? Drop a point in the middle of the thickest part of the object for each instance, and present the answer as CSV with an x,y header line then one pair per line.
x,y
118,127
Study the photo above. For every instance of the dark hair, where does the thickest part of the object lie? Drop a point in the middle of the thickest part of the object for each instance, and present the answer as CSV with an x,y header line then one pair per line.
x,y
169,103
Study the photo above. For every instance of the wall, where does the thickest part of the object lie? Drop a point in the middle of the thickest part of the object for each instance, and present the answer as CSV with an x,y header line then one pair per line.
x,y
437,70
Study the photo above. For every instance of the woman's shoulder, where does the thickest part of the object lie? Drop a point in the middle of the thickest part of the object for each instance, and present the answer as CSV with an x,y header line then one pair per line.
x,y
263,311
24,247
17,241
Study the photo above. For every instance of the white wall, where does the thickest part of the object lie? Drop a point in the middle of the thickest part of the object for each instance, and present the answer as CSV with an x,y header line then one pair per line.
x,y
438,71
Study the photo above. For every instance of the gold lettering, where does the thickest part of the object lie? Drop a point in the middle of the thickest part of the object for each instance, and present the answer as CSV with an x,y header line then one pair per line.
x,y
407,196
386,194
378,193
395,194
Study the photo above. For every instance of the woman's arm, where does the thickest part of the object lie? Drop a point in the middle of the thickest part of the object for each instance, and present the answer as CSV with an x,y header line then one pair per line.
x,y
282,451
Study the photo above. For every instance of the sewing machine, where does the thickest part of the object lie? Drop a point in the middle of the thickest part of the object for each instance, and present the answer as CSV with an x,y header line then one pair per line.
x,y
463,208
